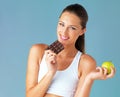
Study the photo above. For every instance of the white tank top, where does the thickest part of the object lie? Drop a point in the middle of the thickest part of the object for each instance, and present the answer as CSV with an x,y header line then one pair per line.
x,y
64,82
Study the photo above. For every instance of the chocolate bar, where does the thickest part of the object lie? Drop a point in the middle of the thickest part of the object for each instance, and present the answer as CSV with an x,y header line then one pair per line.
x,y
56,47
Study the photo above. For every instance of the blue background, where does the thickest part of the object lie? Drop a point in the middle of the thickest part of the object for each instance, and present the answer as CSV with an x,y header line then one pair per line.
x,y
27,22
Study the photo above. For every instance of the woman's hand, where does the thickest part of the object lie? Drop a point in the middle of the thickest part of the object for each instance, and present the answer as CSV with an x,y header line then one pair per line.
x,y
101,74
51,60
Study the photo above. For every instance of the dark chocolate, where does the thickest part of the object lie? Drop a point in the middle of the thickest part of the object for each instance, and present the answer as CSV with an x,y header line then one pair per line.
x,y
56,47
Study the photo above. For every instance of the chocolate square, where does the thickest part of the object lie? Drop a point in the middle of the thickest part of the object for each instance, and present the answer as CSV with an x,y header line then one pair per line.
x,y
56,47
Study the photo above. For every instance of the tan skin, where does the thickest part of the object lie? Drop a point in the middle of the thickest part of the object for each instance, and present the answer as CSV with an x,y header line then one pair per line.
x,y
68,30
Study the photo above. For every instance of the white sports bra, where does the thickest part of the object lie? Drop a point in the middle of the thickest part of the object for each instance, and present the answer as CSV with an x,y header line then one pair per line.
x,y
64,82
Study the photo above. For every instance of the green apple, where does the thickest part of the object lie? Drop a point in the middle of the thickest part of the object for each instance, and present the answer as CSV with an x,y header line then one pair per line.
x,y
107,65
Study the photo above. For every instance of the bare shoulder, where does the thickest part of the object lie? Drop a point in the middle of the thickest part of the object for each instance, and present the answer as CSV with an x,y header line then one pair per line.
x,y
87,63
38,47
87,59
37,50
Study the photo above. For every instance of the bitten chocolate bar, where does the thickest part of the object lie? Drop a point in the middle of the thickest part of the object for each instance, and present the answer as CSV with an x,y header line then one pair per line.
x,y
56,47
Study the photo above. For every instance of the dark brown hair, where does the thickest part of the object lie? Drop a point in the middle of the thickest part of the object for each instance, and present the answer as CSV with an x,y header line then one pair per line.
x,y
80,11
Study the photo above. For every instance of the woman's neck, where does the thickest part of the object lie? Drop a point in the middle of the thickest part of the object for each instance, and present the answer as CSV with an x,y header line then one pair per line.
x,y
69,51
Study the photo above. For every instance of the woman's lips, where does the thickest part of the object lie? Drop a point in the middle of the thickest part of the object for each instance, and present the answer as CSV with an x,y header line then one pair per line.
x,y
64,37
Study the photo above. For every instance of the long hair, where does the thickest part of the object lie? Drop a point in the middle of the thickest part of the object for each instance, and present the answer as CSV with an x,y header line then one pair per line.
x,y
80,11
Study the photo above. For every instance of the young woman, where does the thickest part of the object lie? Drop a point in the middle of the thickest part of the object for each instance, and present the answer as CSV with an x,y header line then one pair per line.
x,y
69,73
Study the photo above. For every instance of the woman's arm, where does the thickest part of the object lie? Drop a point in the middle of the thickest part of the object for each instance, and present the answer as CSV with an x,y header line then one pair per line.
x,y
33,87
87,65
89,74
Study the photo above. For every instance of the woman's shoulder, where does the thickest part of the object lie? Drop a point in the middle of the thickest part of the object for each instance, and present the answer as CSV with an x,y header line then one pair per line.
x,y
39,47
37,50
87,58
88,62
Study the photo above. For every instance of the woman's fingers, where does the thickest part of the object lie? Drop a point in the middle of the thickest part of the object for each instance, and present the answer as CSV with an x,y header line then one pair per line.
x,y
50,57
102,70
113,70
99,69
50,53
105,71
102,73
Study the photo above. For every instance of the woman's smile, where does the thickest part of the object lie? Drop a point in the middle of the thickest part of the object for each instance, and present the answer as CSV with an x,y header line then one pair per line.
x,y
64,37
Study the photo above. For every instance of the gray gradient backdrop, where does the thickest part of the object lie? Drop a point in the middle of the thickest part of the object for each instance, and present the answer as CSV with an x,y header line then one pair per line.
x,y
27,22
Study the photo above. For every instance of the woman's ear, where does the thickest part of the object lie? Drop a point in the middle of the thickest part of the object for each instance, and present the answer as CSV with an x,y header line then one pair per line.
x,y
83,31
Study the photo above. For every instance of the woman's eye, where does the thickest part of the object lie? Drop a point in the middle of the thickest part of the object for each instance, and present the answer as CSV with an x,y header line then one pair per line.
x,y
73,28
61,24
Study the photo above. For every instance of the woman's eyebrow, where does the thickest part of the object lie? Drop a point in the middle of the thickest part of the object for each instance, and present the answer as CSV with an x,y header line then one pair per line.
x,y
61,21
77,26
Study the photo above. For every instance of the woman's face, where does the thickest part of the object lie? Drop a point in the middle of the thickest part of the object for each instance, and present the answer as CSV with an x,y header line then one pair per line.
x,y
69,28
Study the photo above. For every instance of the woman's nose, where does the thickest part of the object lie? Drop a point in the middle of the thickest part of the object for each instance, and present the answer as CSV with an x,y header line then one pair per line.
x,y
65,30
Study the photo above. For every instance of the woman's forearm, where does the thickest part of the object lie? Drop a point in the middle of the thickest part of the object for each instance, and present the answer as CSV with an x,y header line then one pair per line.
x,y
40,89
84,91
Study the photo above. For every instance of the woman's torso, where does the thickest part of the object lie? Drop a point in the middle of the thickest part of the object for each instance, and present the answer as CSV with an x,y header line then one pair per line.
x,y
51,95
69,70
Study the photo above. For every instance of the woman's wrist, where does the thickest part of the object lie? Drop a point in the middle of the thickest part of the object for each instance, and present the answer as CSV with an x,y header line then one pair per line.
x,y
89,79
51,73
